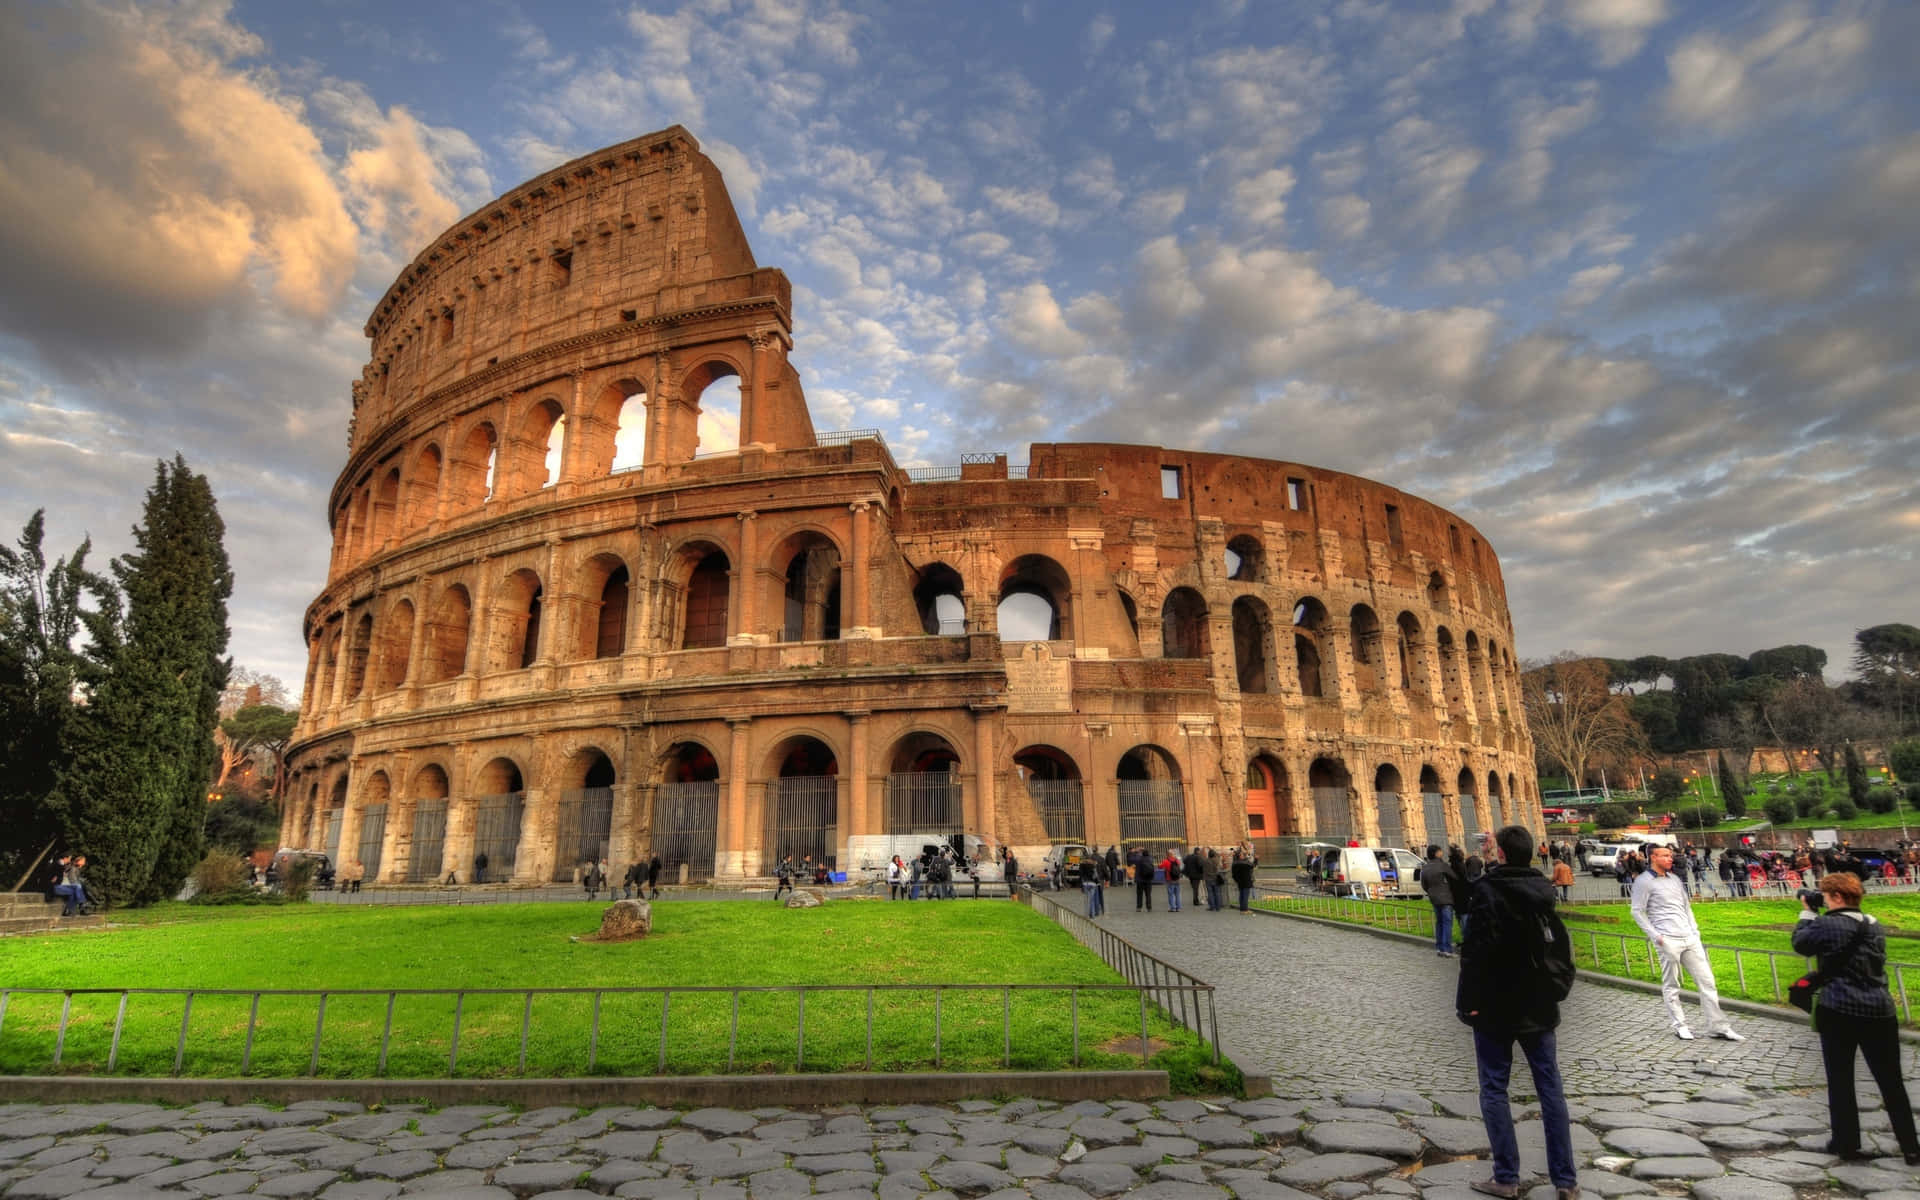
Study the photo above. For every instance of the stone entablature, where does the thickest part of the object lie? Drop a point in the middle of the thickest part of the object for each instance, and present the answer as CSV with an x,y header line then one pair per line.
x,y
793,643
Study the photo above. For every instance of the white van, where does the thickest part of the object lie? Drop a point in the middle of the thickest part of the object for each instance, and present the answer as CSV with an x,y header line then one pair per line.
x,y
870,852
1370,872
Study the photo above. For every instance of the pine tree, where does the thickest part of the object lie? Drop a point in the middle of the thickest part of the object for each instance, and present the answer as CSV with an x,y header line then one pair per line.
x,y
135,794
39,618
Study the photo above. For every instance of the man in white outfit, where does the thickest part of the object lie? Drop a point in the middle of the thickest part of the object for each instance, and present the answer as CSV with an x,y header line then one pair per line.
x,y
1661,908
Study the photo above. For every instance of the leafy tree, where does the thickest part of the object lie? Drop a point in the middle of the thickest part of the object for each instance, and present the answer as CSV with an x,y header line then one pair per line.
x,y
241,821
1703,688
1574,715
39,618
1611,816
135,796
262,727
1655,713
1904,758
1666,787
1882,799
1650,669
1733,789
1887,659
1787,663
1699,816
1856,775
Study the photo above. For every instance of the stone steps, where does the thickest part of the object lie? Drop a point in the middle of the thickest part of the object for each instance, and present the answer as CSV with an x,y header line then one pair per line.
x,y
32,912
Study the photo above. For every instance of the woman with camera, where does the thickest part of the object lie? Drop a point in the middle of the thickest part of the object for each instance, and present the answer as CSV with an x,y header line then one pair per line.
x,y
1854,1011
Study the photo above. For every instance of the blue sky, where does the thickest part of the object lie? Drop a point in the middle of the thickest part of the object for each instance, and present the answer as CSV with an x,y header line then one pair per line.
x,y
1631,284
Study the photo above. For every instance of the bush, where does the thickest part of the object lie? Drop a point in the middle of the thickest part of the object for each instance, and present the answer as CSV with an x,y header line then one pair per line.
x,y
1699,816
297,883
1781,810
1913,794
1845,810
1904,758
1736,804
1612,816
1882,799
220,872
1666,787
1810,800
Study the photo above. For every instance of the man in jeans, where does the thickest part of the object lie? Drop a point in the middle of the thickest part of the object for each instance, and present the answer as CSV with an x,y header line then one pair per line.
x,y
1515,967
1437,881
1662,910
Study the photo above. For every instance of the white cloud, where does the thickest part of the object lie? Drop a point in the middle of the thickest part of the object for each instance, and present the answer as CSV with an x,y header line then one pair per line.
x,y
1720,82
1618,28
1028,204
1586,286
1158,208
1261,200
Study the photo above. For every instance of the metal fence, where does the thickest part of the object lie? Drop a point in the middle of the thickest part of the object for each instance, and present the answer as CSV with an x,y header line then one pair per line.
x,y
1187,1001
670,1030
1741,971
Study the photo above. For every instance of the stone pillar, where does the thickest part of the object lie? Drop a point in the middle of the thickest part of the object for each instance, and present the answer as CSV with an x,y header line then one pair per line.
x,y
1085,545
622,842
350,816
1429,649
862,583
984,717
457,855
480,626
859,821
742,615
342,648
1336,668
416,649
539,816
732,837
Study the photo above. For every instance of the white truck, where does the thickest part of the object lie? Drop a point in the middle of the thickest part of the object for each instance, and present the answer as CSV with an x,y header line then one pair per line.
x,y
869,853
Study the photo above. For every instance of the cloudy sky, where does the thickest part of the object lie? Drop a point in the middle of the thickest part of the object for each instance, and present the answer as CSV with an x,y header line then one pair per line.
x,y
1631,284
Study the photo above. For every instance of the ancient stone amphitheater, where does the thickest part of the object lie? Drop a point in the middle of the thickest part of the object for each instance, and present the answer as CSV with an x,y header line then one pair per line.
x,y
573,614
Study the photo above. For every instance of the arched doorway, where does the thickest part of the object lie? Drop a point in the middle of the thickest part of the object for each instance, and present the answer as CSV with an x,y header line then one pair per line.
x,y
1434,806
1469,807
1052,780
585,829
336,820
923,787
428,835
1153,804
1498,810
1386,803
498,807
686,811
1329,781
1269,805
373,822
803,806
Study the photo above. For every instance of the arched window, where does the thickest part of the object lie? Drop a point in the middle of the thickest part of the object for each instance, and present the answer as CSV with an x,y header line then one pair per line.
x,y
520,609
940,598
423,489
610,630
537,449
706,607
811,608
1414,679
1052,781
1364,629
472,469
1034,594
923,786
386,508
556,451
1437,592
630,432
1153,804
396,646
1386,801
1470,821
447,635
803,806
1433,806
1183,625
714,390
1451,674
359,650
1252,634
1246,559
1309,632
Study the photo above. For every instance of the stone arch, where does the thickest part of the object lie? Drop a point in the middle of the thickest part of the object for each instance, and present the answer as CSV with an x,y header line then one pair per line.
x,y
1471,822
373,804
396,646
359,652
328,671
1497,806
1433,805
522,599
584,825
386,507
686,809
1036,599
474,470
1270,811
1183,625
807,563
1053,784
1451,680
425,816
499,803
448,634
1152,797
924,793
607,588
1478,677
537,458
1437,592
615,439
1414,678
1246,559
1332,787
422,503
1252,641
1363,629
336,819
719,419
803,800
940,597
1387,802
1311,637
704,577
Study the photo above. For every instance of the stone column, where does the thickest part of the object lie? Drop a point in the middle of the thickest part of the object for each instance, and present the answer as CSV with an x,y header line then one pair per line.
x,y
742,617
1337,667
539,816
350,816
859,820
416,649
457,855
984,716
732,835
860,626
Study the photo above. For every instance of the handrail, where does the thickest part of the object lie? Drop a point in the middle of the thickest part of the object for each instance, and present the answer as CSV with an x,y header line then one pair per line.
x,y
1135,965
1161,991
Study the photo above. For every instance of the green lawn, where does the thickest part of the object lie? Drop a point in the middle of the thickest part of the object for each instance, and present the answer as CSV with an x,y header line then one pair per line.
x,y
695,944
1597,930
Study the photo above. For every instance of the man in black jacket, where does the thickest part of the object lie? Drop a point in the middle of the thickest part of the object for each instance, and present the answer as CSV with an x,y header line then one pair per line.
x,y
1194,868
1437,881
1515,967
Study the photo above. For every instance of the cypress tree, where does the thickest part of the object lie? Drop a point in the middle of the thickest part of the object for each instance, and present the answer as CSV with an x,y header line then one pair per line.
x,y
135,793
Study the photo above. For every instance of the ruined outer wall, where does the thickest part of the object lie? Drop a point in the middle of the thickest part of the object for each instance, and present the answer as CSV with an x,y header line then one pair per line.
x,y
748,616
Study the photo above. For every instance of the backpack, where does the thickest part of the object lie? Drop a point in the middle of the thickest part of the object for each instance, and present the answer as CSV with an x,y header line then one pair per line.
x,y
1535,947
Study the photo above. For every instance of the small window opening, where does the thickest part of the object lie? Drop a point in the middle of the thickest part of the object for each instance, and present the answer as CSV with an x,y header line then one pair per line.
x,y
1453,538
1169,483
562,270
446,326
629,314
1394,536
1296,494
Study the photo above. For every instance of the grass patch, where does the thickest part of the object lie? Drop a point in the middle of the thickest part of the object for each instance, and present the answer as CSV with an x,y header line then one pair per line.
x,y
1597,931
718,944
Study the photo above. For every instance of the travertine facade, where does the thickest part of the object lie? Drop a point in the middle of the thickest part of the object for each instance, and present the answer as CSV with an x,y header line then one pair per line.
x,y
794,641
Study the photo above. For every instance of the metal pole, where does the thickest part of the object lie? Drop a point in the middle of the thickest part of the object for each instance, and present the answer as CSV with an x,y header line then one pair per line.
x,y
246,1056
386,1034
60,1041
120,1020
180,1046
319,1024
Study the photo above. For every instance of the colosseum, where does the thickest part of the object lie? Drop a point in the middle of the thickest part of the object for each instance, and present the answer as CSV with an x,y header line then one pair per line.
x,y
574,614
